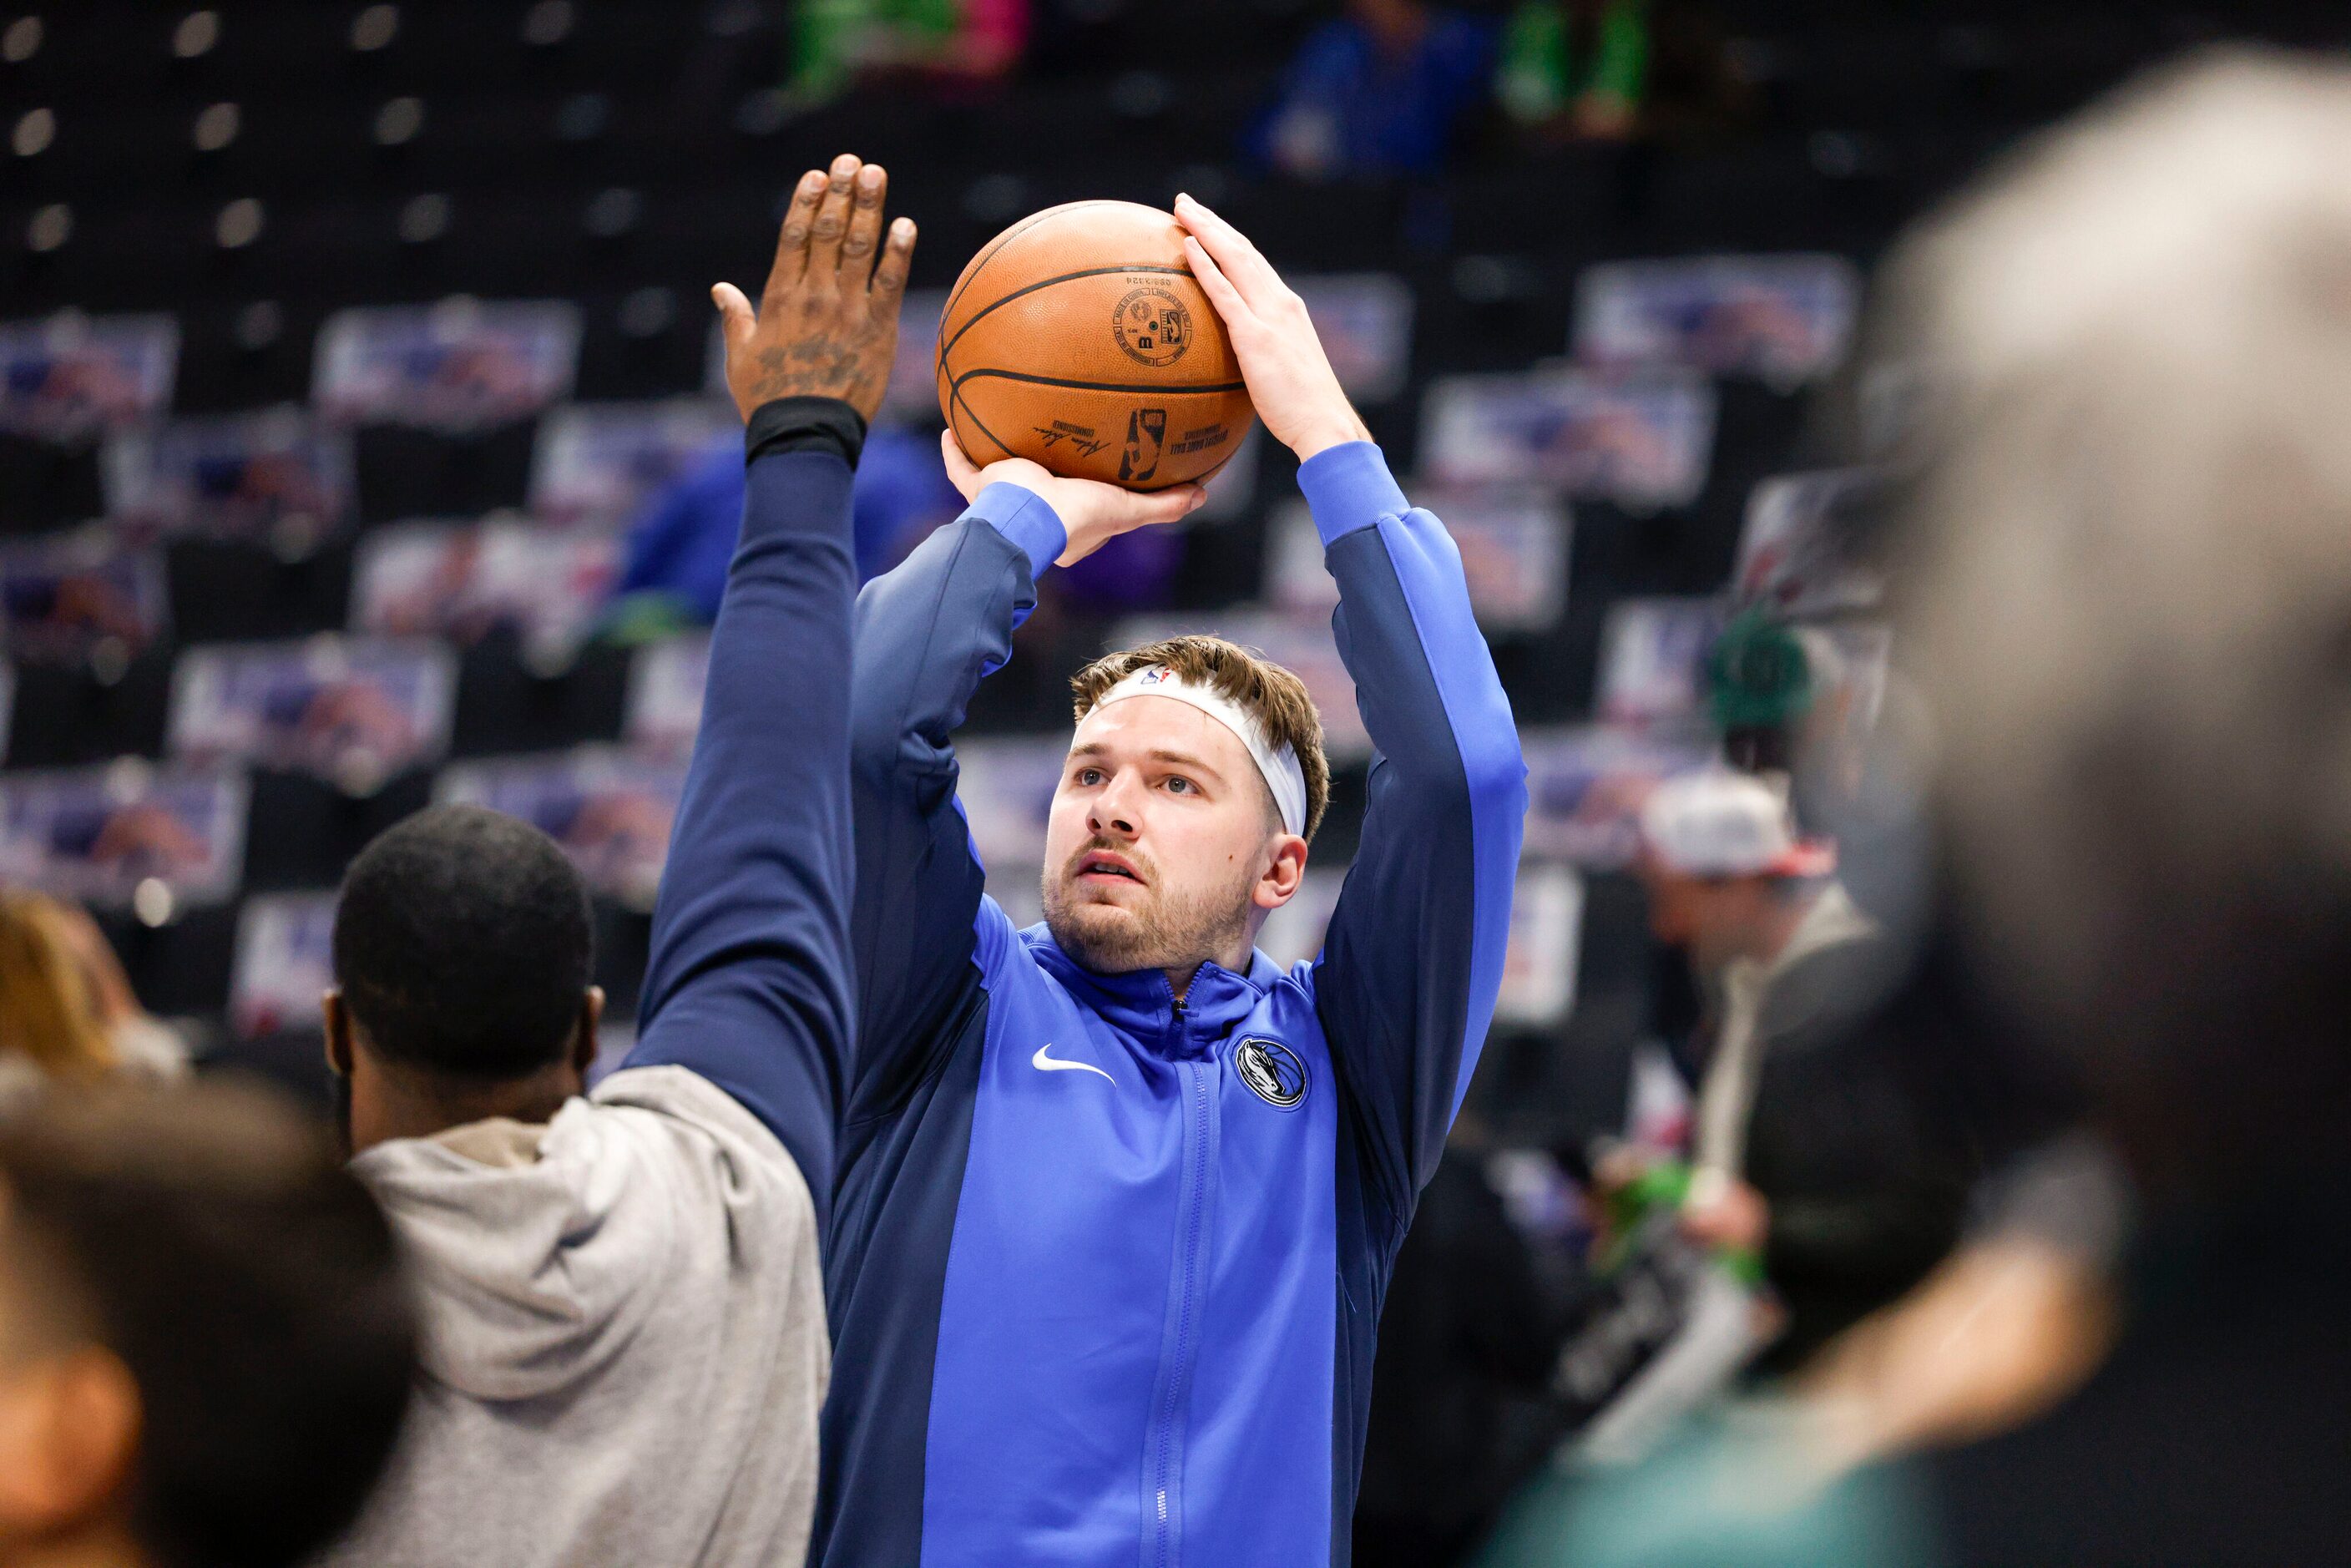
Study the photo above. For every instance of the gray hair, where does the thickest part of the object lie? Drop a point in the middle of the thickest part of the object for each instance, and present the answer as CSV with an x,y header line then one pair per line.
x,y
2130,589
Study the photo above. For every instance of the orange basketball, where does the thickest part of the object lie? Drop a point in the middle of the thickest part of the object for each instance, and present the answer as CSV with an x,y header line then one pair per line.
x,y
1078,338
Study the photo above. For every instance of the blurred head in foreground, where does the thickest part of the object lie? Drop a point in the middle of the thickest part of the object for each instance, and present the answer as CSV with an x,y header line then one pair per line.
x,y
2130,613
204,1339
464,944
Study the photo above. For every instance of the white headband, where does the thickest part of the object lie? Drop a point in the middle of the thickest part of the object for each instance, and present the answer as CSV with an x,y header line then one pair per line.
x,y
1278,764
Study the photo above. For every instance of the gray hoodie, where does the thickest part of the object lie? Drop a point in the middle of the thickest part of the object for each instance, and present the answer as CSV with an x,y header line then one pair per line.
x,y
624,1343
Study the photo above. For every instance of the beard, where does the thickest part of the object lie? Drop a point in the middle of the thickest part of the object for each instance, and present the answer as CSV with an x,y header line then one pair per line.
x,y
1161,930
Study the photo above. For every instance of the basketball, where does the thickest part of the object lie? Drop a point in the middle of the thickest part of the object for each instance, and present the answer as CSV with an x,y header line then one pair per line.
x,y
1079,339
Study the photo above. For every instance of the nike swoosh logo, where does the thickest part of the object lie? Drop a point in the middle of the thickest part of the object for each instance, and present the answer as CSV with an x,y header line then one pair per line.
x,y
1045,1063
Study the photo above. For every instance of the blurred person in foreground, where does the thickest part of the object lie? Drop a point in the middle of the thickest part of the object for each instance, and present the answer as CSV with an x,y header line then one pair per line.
x,y
2127,584
623,1331
205,1341
67,1011
1819,1146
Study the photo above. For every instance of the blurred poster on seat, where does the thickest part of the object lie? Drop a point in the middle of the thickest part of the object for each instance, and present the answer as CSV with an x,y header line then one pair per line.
x,y
602,462
81,597
284,962
275,477
1365,320
1514,542
1545,942
1301,644
70,378
353,712
1005,785
665,700
464,580
1652,660
1585,788
126,833
1641,438
1294,934
1784,321
609,810
1795,548
458,366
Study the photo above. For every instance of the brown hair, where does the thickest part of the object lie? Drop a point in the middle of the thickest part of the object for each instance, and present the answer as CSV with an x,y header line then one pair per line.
x,y
211,1239
48,1011
1268,693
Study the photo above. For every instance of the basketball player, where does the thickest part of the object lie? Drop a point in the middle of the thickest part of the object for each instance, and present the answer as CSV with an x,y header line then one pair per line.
x,y
623,1338
1118,1196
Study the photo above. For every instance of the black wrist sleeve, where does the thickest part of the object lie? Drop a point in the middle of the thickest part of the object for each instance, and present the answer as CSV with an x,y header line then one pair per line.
x,y
804,424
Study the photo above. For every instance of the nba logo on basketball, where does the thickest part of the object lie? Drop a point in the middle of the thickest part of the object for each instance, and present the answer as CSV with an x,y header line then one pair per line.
x,y
1146,434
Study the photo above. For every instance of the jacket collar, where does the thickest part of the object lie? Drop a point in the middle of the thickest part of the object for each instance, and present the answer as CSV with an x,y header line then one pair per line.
x,y
1142,1004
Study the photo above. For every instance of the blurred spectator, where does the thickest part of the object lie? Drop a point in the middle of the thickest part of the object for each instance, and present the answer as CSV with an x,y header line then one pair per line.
x,y
1380,90
205,1339
67,1011
837,42
1466,1326
679,547
1818,1144
2128,582
1581,66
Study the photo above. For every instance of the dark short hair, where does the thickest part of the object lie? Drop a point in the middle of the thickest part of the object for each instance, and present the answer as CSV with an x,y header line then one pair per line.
x,y
464,943
210,1239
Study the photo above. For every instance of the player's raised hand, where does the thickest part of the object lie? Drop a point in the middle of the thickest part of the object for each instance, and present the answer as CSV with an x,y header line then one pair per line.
x,y
1093,513
826,324
1290,378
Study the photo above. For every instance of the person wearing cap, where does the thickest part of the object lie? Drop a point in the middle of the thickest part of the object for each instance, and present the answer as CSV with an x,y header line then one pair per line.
x,y
1819,1143
1118,1194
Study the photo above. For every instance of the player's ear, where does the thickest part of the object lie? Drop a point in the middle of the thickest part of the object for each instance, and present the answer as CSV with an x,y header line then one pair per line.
x,y
1285,870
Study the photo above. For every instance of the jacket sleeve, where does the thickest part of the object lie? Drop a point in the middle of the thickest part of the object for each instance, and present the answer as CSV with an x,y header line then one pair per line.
x,y
748,982
1409,971
926,635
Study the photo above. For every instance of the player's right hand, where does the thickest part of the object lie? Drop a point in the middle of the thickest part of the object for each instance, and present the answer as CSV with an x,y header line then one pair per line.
x,y
1093,513
1290,377
826,324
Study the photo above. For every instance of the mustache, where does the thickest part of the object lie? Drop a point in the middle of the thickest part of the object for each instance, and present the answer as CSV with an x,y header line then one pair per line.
x,y
1144,871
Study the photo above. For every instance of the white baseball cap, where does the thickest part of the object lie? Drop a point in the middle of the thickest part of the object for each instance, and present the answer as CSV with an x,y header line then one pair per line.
x,y
1717,822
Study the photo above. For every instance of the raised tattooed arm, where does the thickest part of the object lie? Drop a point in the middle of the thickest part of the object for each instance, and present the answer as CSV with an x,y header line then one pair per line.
x,y
750,980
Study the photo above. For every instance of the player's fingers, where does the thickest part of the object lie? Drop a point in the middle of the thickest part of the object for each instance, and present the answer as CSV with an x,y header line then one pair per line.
x,y
832,218
791,241
960,472
890,276
1242,261
864,224
1230,306
735,318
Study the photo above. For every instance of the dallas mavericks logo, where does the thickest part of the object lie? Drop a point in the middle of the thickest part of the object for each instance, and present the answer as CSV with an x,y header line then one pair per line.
x,y
1272,1070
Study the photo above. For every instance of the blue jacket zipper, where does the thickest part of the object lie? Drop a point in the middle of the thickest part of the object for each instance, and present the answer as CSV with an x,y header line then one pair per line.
x,y
1190,1207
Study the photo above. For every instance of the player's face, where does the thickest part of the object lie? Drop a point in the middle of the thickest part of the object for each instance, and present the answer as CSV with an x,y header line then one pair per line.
x,y
1161,834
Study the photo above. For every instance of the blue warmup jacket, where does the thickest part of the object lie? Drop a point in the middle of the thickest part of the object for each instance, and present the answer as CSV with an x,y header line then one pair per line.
x,y
1105,1267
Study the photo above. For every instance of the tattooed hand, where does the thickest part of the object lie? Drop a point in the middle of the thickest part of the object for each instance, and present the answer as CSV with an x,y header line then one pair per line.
x,y
828,324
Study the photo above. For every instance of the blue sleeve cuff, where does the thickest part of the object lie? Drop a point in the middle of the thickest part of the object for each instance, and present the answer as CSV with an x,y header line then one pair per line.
x,y
1024,517
1348,487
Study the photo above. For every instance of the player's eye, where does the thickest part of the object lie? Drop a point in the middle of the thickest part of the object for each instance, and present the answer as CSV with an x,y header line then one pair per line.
x,y
1179,784
1090,777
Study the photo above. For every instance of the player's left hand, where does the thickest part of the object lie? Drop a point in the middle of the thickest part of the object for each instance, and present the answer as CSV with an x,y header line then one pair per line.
x,y
1093,513
1290,378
